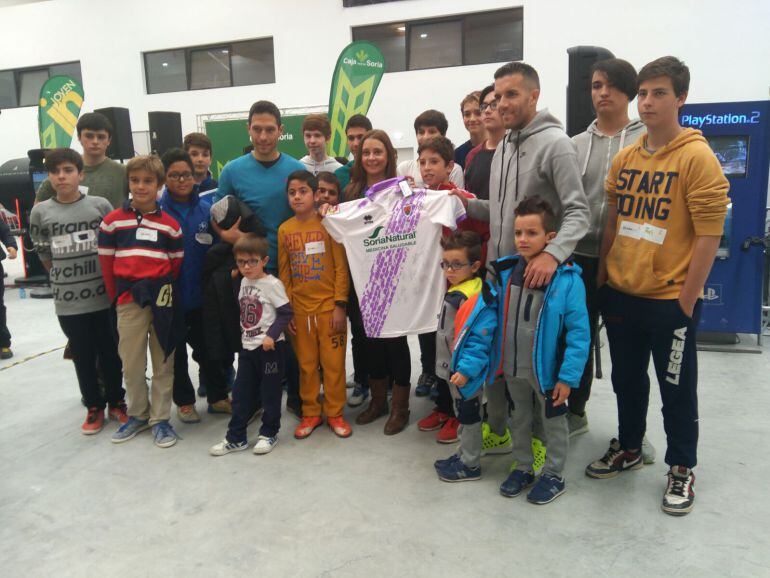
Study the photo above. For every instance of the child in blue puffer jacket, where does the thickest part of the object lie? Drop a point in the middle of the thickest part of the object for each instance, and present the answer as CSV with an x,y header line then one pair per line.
x,y
541,346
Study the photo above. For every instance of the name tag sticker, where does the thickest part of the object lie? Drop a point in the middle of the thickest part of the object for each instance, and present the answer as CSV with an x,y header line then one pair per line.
x,y
406,190
653,233
61,241
315,248
143,234
204,238
87,236
629,229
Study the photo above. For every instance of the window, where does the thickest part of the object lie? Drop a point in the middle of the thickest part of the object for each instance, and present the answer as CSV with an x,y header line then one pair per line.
x,y
216,66
21,87
475,38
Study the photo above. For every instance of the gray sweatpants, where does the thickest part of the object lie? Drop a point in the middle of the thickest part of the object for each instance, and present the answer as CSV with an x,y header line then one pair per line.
x,y
529,402
468,413
497,411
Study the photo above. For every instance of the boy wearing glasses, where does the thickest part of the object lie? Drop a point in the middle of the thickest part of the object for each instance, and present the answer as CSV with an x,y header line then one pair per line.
x,y
192,212
464,335
265,314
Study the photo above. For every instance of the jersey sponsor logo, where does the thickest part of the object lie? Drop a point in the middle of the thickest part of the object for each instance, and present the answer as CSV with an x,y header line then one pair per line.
x,y
378,242
368,219
676,356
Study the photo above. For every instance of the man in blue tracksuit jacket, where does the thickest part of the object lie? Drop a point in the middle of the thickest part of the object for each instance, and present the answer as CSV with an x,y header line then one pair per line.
x,y
192,211
540,347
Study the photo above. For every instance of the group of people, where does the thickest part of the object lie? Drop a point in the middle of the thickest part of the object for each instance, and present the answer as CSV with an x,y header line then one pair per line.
x,y
541,235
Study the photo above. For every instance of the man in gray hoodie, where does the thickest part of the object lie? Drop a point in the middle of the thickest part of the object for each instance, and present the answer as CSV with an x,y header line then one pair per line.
x,y
536,157
613,87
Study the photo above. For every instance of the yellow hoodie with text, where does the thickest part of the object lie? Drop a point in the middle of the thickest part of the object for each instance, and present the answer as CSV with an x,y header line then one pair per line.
x,y
664,200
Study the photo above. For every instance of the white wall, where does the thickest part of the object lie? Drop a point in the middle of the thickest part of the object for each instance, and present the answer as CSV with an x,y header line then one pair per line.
x,y
726,45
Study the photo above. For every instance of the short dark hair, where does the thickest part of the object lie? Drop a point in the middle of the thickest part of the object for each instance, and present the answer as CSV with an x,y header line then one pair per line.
x,y
57,157
252,244
669,66
265,107
319,122
197,139
176,155
468,241
440,145
303,176
432,118
484,92
94,121
620,74
537,206
527,71
329,177
359,121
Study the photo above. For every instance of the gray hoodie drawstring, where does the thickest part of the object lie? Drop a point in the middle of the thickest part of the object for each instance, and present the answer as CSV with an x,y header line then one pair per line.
x,y
588,154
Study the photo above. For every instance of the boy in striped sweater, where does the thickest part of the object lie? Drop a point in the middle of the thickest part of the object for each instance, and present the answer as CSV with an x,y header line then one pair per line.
x,y
140,251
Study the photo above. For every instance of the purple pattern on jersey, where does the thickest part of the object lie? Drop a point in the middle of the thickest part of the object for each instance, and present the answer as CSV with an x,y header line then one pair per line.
x,y
386,270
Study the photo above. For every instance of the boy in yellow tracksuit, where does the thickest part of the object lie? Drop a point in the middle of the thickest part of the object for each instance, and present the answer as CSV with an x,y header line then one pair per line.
x,y
313,268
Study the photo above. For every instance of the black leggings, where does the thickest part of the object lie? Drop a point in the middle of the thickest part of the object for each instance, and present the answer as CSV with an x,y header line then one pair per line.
x,y
389,357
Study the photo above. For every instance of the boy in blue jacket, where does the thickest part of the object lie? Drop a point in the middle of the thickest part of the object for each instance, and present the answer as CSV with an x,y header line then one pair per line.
x,y
467,323
192,211
541,347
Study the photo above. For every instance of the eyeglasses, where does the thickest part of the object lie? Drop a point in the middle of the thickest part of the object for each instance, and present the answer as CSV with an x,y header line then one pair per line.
x,y
179,176
453,266
488,105
248,262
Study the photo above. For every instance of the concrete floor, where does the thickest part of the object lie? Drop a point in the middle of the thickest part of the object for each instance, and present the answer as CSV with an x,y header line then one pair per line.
x,y
371,505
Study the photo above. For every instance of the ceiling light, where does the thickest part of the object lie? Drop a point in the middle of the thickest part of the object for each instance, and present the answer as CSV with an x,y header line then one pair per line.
x,y
225,51
424,35
165,64
401,28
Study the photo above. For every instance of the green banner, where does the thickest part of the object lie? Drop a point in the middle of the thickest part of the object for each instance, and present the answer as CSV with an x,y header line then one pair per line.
x,y
357,75
230,137
60,101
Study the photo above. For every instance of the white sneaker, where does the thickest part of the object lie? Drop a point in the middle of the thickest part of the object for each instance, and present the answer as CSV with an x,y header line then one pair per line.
x,y
225,447
265,445
648,452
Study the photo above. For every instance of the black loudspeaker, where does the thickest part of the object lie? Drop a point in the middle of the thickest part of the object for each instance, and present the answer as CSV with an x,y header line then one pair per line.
x,y
165,131
122,144
580,111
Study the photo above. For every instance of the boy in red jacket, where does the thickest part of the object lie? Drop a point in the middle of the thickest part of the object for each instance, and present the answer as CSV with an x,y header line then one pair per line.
x,y
140,251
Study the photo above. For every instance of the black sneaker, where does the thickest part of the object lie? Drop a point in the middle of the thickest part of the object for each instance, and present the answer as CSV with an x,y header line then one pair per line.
x,y
424,384
616,460
679,498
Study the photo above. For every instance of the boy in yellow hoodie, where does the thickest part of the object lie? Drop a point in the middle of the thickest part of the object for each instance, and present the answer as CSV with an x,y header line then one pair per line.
x,y
313,268
667,201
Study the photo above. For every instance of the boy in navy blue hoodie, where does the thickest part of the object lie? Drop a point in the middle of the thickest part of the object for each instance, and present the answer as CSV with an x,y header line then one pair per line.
x,y
192,211
541,347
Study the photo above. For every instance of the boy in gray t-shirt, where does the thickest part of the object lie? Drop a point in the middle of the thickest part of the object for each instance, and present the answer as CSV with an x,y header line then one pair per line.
x,y
65,230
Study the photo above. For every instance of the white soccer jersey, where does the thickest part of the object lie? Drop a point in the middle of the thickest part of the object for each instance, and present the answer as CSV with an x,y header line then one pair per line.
x,y
394,255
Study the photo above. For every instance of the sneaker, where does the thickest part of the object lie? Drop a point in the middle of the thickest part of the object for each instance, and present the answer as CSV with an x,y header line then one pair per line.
x,y
265,445
433,421
616,460
538,454
129,430
457,471
546,490
118,413
494,444
306,426
516,482
648,452
94,421
188,414
359,395
448,433
339,426
165,436
440,464
679,498
424,384
226,447
578,424
5,353
221,406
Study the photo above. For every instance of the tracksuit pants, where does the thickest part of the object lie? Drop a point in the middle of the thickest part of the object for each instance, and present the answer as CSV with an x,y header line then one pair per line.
x,y
637,329
316,344
469,416
257,383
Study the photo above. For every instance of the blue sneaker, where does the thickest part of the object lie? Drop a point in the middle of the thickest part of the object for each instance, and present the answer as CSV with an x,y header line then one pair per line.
x,y
129,430
165,436
446,462
457,471
516,482
359,395
425,383
547,489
